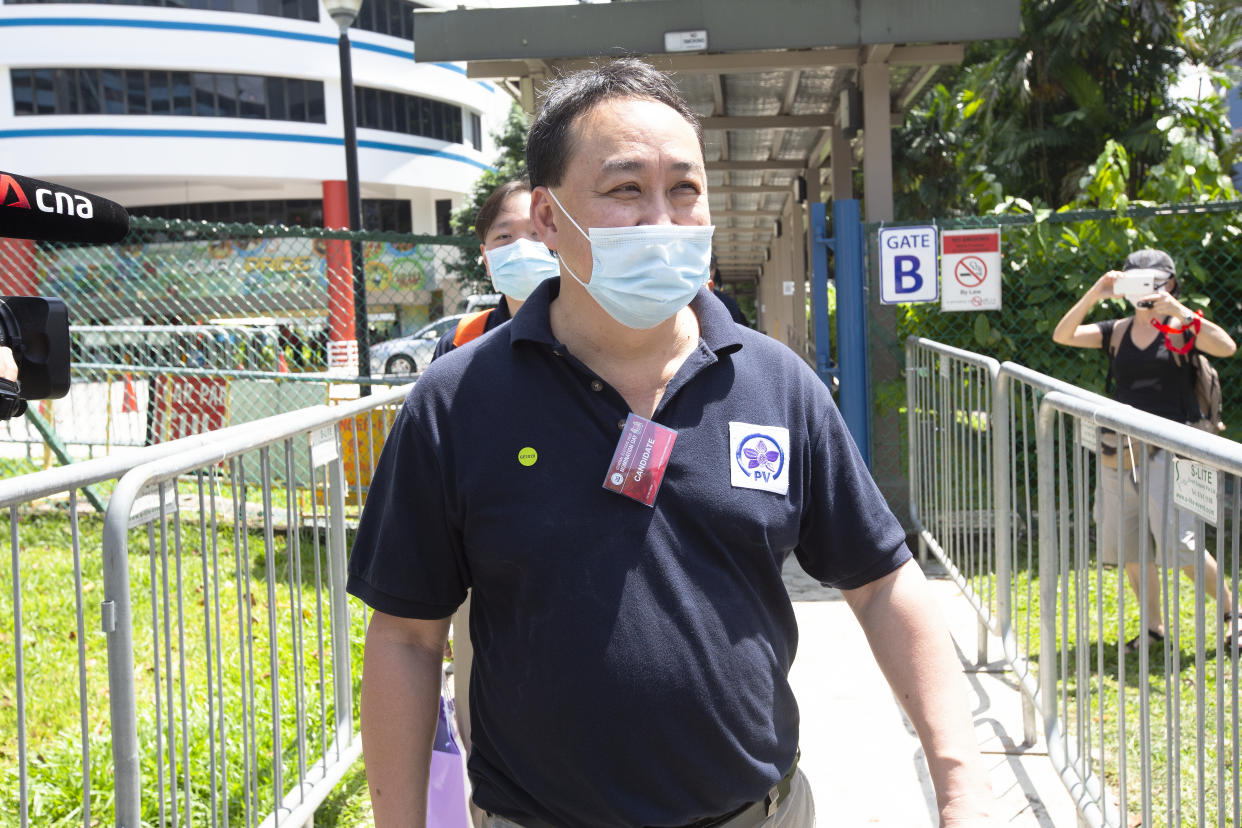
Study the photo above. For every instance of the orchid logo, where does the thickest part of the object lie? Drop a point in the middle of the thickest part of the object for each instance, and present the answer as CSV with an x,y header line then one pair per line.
x,y
760,457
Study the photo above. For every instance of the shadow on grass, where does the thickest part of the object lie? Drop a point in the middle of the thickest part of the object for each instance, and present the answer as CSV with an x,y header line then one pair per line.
x,y
1159,665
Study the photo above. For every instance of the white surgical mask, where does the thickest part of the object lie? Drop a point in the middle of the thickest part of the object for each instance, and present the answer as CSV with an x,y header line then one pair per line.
x,y
642,275
518,268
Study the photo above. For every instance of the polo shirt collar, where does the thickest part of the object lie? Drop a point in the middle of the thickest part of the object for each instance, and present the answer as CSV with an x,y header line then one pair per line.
x,y
719,333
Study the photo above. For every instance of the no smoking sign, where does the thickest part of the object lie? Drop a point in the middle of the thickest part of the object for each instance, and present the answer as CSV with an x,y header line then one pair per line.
x,y
973,257
971,271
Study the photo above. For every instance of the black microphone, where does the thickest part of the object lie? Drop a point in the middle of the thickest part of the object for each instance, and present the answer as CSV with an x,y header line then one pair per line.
x,y
40,210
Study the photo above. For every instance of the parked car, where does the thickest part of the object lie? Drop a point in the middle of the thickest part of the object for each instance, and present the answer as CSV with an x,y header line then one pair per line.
x,y
411,353
482,301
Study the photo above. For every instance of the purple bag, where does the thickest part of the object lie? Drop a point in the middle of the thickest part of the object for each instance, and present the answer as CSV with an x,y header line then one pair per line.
x,y
448,794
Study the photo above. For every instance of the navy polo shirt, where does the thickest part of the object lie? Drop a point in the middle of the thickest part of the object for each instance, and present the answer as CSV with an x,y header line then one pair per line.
x,y
631,662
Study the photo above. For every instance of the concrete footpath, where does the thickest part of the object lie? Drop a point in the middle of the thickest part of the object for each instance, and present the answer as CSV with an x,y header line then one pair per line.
x,y
859,751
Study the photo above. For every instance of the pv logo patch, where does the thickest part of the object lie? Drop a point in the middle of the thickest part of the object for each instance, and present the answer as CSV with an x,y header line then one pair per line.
x,y
759,457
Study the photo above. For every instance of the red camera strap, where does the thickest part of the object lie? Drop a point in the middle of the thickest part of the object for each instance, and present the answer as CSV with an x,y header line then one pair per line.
x,y
1188,338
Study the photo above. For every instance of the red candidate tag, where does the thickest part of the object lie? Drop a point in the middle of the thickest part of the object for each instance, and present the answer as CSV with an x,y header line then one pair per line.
x,y
641,457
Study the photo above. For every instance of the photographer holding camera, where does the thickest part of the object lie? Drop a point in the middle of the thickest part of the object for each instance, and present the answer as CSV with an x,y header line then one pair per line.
x,y
1147,375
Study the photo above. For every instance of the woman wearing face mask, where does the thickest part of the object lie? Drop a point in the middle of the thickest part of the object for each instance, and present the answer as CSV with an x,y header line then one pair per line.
x,y
515,259
1146,375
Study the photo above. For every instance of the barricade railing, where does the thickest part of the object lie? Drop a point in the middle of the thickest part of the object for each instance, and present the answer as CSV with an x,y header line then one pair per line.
x,y
1018,393
1001,525
952,480
223,693
118,406
1150,745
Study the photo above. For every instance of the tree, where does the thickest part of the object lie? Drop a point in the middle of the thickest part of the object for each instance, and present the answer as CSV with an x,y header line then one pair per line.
x,y
1029,116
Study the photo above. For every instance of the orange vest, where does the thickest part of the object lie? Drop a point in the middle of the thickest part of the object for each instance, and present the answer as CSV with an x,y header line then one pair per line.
x,y
471,327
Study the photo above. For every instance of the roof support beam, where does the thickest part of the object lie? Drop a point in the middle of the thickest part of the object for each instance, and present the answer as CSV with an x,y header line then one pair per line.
x,y
768,122
791,91
718,100
913,86
705,64
788,166
727,189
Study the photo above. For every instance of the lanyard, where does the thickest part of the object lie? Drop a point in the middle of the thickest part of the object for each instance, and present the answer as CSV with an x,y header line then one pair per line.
x,y
1188,339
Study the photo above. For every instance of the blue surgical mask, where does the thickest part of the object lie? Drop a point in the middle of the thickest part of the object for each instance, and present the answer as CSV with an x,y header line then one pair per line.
x,y
643,275
518,268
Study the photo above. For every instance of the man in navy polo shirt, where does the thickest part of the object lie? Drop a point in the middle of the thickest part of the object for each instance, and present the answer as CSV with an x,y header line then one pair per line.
x,y
618,475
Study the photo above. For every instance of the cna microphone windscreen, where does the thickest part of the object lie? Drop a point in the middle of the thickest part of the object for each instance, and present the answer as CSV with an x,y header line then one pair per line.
x,y
40,210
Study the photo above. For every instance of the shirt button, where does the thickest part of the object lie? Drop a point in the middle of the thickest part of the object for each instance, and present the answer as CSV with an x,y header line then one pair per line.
x,y
596,385
621,424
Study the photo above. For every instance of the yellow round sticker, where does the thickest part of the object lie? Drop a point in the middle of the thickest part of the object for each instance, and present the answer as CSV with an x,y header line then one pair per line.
x,y
528,456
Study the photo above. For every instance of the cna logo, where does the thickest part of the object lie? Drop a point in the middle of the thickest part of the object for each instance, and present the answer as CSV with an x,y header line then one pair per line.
x,y
10,188
46,200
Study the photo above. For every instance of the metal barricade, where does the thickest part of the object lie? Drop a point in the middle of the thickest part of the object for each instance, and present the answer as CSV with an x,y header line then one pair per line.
x,y
1019,391
222,693
1153,743
952,470
120,406
1008,509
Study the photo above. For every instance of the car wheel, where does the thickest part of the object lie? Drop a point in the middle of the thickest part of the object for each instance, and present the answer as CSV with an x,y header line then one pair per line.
x,y
400,364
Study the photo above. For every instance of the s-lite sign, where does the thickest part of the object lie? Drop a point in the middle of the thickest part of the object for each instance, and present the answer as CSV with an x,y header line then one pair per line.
x,y
908,259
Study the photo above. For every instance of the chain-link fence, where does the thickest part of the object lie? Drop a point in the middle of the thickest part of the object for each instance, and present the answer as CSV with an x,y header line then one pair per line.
x,y
188,326
1049,260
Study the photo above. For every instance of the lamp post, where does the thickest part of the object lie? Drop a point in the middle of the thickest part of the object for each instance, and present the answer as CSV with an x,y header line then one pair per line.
x,y
344,12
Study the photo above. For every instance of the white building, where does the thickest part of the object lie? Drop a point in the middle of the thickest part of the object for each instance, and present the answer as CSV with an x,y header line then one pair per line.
x,y
231,109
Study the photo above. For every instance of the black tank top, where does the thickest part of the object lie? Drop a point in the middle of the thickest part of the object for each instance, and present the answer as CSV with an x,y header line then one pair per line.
x,y
1149,378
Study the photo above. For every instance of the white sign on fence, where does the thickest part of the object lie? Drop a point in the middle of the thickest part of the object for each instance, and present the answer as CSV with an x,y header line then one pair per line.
x,y
908,265
1089,435
970,267
1195,487
323,446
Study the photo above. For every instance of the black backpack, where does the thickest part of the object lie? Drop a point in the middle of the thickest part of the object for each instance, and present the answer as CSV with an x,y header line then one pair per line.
x,y
1204,380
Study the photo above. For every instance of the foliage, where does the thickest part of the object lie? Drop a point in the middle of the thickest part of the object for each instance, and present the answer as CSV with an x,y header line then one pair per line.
x,y
1030,116
510,164
1052,258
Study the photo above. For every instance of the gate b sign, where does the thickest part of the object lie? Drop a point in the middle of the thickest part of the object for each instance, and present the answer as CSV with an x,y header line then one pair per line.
x,y
908,259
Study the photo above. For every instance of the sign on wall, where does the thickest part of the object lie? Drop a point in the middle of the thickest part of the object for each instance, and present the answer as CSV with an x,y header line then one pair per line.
x,y
908,265
970,270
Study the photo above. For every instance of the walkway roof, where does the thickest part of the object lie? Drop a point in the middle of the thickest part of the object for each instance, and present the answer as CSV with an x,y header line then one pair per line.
x,y
773,80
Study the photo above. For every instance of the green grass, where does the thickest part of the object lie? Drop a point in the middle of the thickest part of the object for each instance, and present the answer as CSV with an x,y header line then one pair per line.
x,y
1096,708
238,652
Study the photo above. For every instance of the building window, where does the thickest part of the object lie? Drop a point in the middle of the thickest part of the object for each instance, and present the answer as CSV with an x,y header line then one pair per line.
x,y
409,114
390,17
476,131
157,92
378,214
293,9
444,217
